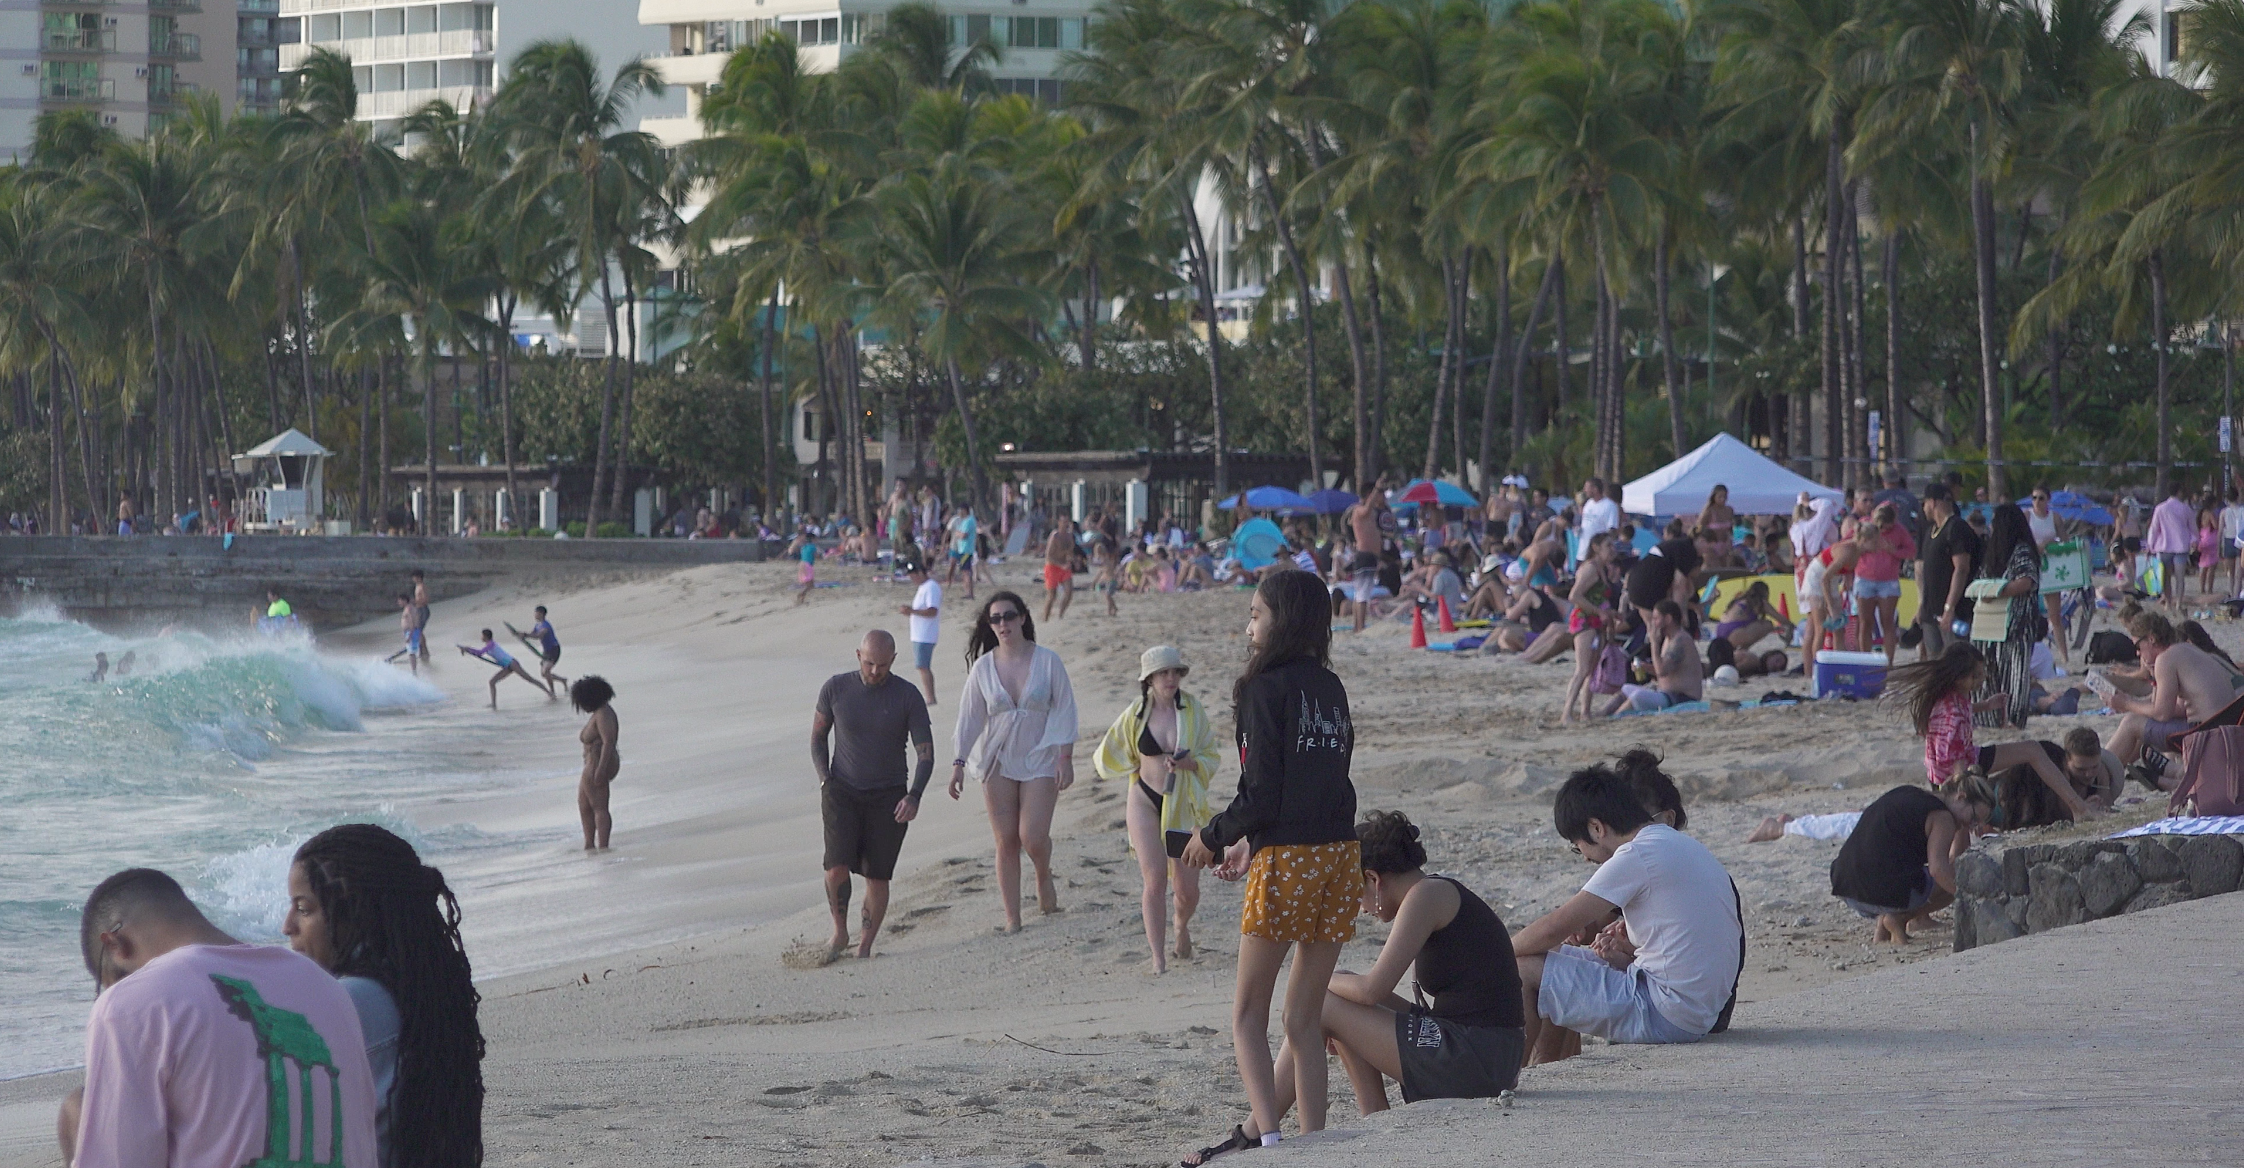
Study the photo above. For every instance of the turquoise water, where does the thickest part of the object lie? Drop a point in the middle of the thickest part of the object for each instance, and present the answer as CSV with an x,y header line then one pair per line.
x,y
212,761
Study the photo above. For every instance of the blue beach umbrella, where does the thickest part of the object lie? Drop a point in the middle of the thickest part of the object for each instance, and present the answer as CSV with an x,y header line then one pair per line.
x,y
2072,505
1330,502
1269,499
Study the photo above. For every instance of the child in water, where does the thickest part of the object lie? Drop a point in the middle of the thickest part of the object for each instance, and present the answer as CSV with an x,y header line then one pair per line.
x,y
489,651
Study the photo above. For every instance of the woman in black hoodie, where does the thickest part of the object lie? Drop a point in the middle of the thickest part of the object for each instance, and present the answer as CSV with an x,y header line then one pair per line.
x,y
1292,831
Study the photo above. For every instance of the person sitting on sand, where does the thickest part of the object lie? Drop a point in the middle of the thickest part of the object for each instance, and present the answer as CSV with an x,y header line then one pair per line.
x,y
1533,625
1898,866
1684,937
100,670
593,696
1750,618
1468,1041
1937,696
362,905
870,714
1164,745
1292,831
489,651
2188,685
1678,674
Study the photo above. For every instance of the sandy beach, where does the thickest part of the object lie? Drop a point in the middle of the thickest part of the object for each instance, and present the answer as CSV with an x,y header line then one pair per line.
x,y
644,1004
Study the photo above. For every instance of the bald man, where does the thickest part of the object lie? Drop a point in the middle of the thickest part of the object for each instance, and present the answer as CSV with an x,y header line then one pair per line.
x,y
203,1050
870,713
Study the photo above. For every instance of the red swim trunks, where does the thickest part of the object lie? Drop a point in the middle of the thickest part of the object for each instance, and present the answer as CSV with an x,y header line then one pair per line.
x,y
1055,575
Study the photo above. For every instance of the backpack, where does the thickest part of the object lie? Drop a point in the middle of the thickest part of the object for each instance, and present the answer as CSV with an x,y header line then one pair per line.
x,y
1611,671
2212,766
2111,647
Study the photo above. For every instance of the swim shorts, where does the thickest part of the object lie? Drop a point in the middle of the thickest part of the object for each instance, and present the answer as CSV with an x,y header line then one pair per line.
x,y
1876,589
1442,1059
413,640
1304,892
806,574
862,834
2156,734
552,656
1581,992
1055,576
923,654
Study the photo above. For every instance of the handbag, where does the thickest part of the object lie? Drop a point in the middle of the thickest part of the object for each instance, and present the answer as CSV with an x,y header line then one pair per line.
x,y
2212,772
1611,671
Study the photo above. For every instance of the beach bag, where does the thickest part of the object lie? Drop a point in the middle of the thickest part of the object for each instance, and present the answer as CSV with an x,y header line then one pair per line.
x,y
2212,766
1611,671
2111,648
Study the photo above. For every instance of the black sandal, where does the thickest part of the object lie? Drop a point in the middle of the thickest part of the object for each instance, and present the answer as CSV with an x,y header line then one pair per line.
x,y
1238,1141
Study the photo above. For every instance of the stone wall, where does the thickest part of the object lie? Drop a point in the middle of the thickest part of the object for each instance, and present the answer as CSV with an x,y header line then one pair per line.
x,y
331,581
2032,888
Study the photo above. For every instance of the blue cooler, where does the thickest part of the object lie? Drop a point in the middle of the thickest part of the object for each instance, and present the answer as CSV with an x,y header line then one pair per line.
x,y
1853,675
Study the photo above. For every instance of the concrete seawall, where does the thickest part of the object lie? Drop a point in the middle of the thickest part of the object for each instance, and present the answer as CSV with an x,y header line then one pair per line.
x,y
331,582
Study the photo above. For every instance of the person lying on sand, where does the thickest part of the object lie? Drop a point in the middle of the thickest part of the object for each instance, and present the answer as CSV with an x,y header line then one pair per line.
x,y
1686,943
1469,1042
489,651
1898,867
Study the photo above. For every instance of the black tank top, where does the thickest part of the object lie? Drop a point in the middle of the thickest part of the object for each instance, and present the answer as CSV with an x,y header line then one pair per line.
x,y
1884,858
1467,966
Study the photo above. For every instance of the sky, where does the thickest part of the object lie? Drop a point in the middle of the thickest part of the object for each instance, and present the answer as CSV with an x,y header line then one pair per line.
x,y
610,27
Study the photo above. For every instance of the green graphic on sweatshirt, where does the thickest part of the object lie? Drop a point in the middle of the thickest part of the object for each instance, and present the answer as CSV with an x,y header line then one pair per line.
x,y
283,1037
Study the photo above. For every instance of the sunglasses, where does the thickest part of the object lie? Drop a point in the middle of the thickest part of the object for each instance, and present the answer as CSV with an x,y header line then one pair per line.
x,y
1006,617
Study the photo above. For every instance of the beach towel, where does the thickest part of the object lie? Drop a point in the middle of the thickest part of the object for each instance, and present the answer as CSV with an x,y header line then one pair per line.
x,y
2187,825
1678,708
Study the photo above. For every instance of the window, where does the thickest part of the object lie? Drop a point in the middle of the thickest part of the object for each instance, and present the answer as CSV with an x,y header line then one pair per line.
x,y
1071,33
1033,32
965,30
420,75
325,28
812,32
389,22
1043,90
362,78
357,24
421,18
2173,37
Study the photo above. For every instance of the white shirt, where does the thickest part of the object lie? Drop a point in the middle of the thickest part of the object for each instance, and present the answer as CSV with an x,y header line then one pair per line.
x,y
1000,738
2232,522
1599,515
1682,916
926,628
2044,527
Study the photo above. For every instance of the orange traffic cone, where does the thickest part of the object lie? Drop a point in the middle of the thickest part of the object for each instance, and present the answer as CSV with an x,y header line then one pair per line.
x,y
1447,624
1417,627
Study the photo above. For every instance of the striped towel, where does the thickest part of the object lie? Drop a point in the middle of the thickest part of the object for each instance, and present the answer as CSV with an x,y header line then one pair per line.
x,y
2189,825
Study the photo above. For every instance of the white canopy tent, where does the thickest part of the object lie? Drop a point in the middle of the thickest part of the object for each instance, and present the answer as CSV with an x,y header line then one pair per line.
x,y
1758,486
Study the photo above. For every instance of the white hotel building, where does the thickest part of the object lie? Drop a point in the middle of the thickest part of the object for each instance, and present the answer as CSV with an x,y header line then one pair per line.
x,y
404,55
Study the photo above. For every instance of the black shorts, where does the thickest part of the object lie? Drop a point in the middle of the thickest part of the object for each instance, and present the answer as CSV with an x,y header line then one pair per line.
x,y
1365,562
1444,1060
862,834
552,657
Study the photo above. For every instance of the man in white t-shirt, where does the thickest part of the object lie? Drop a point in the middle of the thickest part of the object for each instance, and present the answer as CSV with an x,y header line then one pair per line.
x,y
926,611
203,1050
1598,512
1667,971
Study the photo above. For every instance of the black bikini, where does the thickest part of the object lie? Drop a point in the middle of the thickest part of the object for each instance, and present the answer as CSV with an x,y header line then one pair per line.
x,y
1148,744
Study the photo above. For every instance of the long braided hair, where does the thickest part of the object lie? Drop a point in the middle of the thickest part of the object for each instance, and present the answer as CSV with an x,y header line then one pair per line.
x,y
391,918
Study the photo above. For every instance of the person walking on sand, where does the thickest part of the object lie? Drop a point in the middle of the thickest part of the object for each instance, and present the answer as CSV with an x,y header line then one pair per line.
x,y
489,651
1164,746
543,641
1016,734
421,607
1292,831
1059,567
805,551
870,714
926,611
593,695
2170,539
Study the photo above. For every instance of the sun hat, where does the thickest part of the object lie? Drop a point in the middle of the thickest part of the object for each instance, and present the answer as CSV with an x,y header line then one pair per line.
x,y
1161,657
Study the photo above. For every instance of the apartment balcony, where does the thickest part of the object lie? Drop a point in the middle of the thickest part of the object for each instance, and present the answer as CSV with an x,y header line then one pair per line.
x,y
690,68
257,7
179,46
172,94
397,103
418,46
673,132
84,40
59,90
175,5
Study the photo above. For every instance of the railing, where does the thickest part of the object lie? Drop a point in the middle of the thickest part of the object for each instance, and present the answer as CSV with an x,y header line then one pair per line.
x,y
404,47
256,7
89,89
177,91
84,40
175,5
397,103
186,46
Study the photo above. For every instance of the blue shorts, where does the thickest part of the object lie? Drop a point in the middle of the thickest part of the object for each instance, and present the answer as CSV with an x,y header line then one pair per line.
x,y
1877,589
413,640
1581,992
923,654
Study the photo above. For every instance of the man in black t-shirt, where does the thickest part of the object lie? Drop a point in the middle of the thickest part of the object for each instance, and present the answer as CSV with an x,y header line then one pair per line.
x,y
870,713
1663,574
1949,558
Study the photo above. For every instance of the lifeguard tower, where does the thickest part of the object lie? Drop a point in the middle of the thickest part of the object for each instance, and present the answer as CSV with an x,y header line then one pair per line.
x,y
288,493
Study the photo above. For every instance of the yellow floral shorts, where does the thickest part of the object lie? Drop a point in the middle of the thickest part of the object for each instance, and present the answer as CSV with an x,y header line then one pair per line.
x,y
1304,892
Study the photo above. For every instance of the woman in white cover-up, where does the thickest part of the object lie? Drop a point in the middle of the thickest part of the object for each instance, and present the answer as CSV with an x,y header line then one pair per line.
x,y
1016,733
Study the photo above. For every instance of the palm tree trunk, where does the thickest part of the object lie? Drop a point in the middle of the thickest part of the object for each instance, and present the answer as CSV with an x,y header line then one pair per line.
x,y
1378,362
1562,353
1308,311
428,428
763,408
1087,336
1896,428
2158,338
1360,404
1459,307
966,423
367,379
506,407
1668,378
1520,353
1203,278
58,474
607,407
1503,274
630,384
1859,399
1990,391
1833,375
2056,349
1441,375
382,408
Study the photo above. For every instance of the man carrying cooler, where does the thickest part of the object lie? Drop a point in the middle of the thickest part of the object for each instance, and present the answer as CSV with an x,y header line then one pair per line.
x,y
866,807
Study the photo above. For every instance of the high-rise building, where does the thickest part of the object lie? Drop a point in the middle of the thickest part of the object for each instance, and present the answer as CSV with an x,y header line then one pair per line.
x,y
259,32
1033,35
404,55
132,63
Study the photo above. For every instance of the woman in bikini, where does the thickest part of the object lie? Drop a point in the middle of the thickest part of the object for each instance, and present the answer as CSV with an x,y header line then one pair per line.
x,y
594,696
1016,734
1164,745
1595,585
